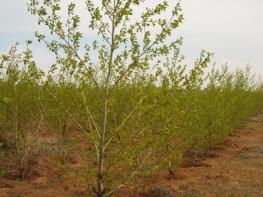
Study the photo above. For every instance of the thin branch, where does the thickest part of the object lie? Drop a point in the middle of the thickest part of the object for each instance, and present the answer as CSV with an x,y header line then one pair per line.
x,y
125,120
123,185
145,50
130,114
89,113
73,49
80,126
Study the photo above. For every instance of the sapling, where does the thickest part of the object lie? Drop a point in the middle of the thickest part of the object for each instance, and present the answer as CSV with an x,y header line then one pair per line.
x,y
21,108
135,107
122,48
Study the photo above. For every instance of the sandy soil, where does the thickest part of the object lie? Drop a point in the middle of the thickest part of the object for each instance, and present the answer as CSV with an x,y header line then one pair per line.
x,y
234,169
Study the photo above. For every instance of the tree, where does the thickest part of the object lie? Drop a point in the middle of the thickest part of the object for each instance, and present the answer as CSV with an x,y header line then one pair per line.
x,y
20,107
126,46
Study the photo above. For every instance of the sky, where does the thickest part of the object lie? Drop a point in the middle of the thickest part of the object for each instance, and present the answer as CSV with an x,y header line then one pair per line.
x,y
232,30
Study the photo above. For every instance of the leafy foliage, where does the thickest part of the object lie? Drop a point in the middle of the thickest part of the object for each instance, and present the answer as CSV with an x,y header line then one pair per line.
x,y
139,105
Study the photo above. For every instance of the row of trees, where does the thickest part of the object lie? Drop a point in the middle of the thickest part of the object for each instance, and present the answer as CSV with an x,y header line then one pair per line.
x,y
153,118
129,91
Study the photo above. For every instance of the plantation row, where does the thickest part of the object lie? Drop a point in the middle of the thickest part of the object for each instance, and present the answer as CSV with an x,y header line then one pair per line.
x,y
119,85
153,118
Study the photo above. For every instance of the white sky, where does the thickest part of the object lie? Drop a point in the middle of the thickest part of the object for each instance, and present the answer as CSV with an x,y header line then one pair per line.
x,y
232,29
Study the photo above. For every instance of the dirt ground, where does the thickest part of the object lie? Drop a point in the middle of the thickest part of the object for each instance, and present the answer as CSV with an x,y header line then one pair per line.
x,y
234,169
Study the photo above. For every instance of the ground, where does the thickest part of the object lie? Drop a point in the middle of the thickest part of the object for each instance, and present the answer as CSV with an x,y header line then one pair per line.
x,y
233,169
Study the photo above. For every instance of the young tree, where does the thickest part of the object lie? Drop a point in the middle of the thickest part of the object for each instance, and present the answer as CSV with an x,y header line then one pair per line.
x,y
20,106
130,37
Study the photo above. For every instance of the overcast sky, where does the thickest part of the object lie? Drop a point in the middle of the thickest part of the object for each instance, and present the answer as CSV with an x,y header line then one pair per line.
x,y
232,29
